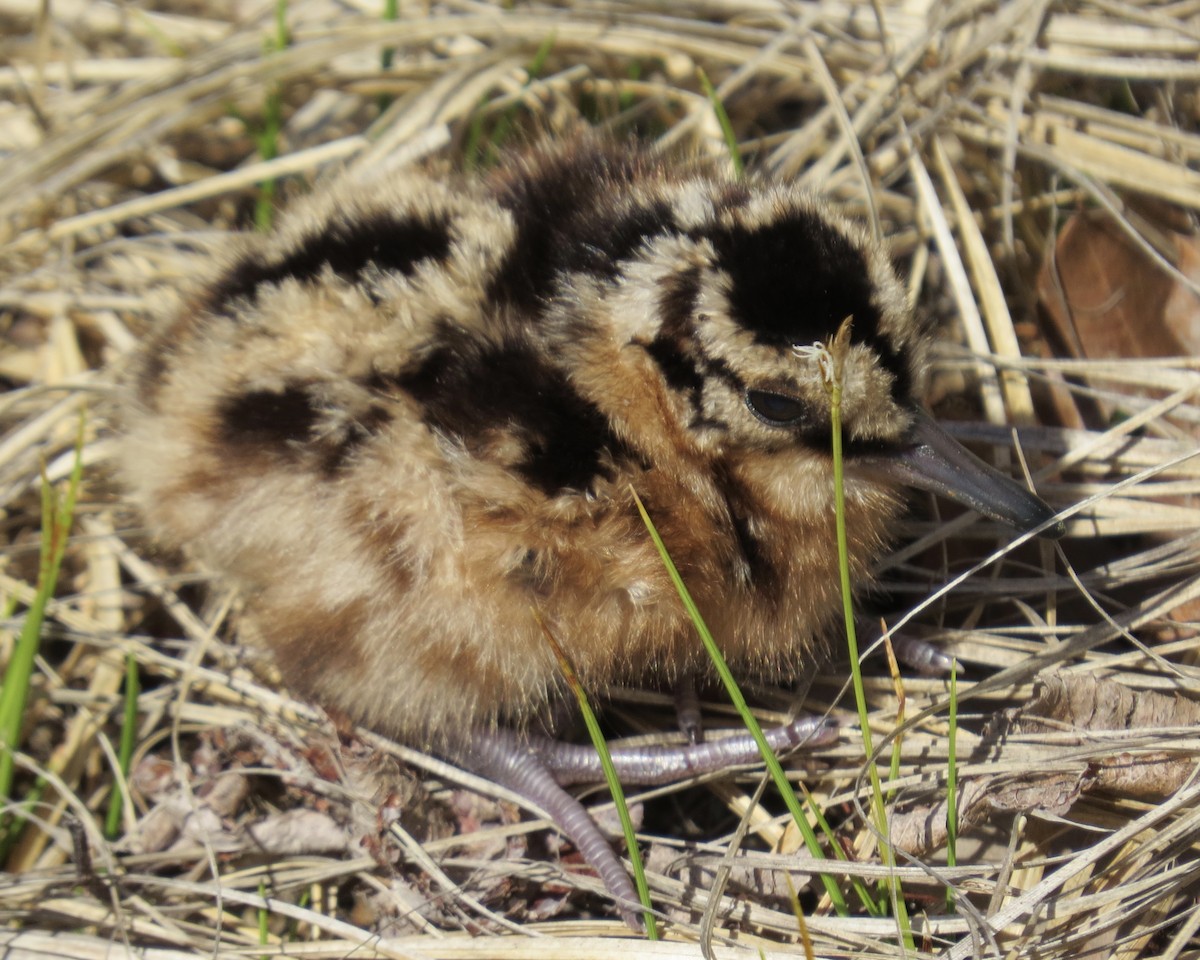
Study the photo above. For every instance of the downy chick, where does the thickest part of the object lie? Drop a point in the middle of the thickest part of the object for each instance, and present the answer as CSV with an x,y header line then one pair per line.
x,y
418,410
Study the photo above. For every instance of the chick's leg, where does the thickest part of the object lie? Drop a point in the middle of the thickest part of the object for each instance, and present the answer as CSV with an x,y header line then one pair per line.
x,y
922,656
687,709
650,765
538,767
511,761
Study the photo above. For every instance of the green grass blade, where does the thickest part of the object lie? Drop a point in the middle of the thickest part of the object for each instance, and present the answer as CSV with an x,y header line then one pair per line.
x,y
735,695
538,64
479,152
387,56
633,72
822,821
735,153
837,350
533,70
473,145
860,886
610,775
116,804
268,138
58,511
391,13
264,920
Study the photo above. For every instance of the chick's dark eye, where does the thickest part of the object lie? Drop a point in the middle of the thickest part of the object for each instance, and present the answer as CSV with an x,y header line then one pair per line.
x,y
775,409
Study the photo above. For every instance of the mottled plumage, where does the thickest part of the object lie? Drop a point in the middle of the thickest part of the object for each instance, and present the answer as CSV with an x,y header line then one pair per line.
x,y
417,411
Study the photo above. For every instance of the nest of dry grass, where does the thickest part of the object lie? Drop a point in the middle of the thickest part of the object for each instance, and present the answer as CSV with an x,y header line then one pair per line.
x,y
134,141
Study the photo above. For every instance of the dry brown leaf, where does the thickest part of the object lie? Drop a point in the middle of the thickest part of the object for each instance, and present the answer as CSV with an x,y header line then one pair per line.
x,y
1052,794
923,828
1086,702
1082,703
1106,299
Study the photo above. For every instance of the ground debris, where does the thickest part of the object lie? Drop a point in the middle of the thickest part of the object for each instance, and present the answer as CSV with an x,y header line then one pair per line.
x,y
1066,735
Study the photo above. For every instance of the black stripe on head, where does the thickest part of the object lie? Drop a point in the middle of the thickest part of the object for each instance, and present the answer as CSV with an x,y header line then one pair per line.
x,y
546,199
288,423
476,395
269,420
606,242
678,369
349,249
565,223
672,347
677,299
795,279
683,365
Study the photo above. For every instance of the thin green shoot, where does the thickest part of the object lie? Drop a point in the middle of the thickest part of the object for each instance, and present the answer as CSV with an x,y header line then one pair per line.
x,y
952,784
391,13
898,739
293,924
264,919
830,835
58,511
735,152
743,709
610,774
822,821
116,803
473,152
281,38
833,363
634,73
267,139
1123,100
477,151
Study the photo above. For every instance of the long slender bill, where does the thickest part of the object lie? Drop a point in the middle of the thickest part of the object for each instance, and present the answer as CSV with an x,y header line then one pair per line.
x,y
933,460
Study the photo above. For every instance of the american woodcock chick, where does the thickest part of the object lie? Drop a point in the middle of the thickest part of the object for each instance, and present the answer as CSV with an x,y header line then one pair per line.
x,y
418,410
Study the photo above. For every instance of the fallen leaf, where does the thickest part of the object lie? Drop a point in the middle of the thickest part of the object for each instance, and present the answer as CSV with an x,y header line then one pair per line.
x,y
1088,703
1107,299
1067,712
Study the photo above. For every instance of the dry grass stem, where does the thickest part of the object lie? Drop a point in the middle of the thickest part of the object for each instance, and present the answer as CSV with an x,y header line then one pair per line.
x,y
968,133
